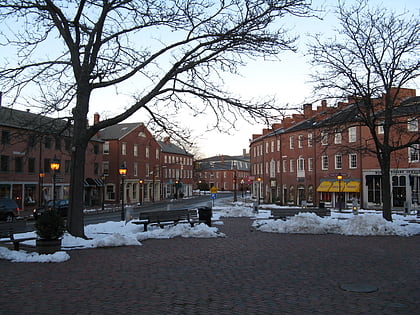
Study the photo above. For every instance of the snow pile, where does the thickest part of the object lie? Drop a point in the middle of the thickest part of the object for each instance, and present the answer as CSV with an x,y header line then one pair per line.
x,y
108,234
120,234
183,230
23,256
364,225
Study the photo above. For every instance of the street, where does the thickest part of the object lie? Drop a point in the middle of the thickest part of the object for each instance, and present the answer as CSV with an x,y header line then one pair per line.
x,y
194,202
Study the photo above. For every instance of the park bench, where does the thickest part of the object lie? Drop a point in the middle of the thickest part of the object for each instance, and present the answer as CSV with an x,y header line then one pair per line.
x,y
283,213
8,229
165,217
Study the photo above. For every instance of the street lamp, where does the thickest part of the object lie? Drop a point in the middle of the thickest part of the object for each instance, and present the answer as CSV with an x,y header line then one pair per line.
x,y
235,188
339,178
55,166
141,182
123,171
259,179
242,188
41,188
103,191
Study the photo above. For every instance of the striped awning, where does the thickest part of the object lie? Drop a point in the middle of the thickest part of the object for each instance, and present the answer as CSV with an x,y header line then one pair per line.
x,y
337,186
93,182
324,186
352,186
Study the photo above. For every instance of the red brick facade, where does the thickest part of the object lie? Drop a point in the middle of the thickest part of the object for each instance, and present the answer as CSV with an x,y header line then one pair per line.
x,y
301,162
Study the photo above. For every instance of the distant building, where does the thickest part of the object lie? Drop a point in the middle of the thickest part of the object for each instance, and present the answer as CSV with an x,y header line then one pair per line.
x,y
177,170
223,172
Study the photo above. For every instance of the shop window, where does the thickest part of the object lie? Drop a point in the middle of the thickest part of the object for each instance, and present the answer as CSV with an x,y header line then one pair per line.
x,y
373,183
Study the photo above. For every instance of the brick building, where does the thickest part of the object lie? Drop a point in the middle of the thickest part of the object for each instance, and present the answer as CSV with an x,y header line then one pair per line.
x,y
223,172
177,170
155,169
323,156
29,142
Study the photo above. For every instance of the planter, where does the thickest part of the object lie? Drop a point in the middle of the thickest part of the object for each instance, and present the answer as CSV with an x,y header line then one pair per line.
x,y
48,246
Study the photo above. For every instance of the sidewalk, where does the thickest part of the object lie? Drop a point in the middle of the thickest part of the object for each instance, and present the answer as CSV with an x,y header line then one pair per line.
x,y
247,272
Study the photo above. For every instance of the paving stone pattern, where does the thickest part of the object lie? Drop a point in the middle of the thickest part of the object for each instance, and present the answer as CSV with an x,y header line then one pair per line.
x,y
247,272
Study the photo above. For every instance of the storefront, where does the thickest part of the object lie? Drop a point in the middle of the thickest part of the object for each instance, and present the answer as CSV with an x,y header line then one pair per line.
x,y
405,189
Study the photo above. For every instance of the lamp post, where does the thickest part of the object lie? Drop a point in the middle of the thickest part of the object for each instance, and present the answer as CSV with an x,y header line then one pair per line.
x,y
259,179
103,191
339,178
123,171
141,182
55,166
41,188
235,188
242,188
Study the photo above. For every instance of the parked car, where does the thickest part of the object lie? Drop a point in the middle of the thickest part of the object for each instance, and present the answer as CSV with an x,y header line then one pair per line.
x,y
61,206
8,209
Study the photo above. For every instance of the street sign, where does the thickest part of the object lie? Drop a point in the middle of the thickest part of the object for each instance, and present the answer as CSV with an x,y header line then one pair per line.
x,y
213,190
213,196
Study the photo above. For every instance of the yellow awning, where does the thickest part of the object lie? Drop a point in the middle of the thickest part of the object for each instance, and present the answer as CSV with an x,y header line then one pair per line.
x,y
337,186
324,186
352,187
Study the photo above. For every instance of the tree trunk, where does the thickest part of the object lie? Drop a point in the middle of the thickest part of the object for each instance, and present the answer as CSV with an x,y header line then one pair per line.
x,y
385,162
75,222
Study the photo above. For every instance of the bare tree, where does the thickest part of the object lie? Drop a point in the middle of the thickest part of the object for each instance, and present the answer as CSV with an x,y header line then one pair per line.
x,y
175,50
374,55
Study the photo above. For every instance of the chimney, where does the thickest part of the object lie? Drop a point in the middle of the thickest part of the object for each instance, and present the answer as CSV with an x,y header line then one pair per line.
x,y
96,118
307,110
167,140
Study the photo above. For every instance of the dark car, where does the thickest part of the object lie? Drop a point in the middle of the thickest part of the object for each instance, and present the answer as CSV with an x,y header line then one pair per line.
x,y
61,206
8,210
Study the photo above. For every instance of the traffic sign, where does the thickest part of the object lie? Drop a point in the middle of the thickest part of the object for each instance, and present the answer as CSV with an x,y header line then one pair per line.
x,y
213,190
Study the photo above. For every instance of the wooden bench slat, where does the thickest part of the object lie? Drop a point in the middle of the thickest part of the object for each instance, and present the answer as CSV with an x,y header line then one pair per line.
x,y
166,217
8,229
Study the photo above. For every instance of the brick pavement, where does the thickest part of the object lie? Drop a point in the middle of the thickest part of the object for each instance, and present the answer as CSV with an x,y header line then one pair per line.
x,y
248,272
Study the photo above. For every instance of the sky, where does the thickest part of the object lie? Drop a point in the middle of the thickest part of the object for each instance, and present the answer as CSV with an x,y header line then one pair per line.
x,y
113,234
287,80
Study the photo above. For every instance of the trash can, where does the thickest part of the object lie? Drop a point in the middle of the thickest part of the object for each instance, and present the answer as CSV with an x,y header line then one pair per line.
x,y
204,215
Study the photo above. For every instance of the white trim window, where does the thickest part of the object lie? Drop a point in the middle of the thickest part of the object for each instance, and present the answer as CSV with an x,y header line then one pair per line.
x,y
381,128
324,138
324,162
105,147
352,134
284,166
337,137
301,163
413,153
353,160
338,161
310,140
310,164
300,141
292,165
124,148
413,124
292,142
